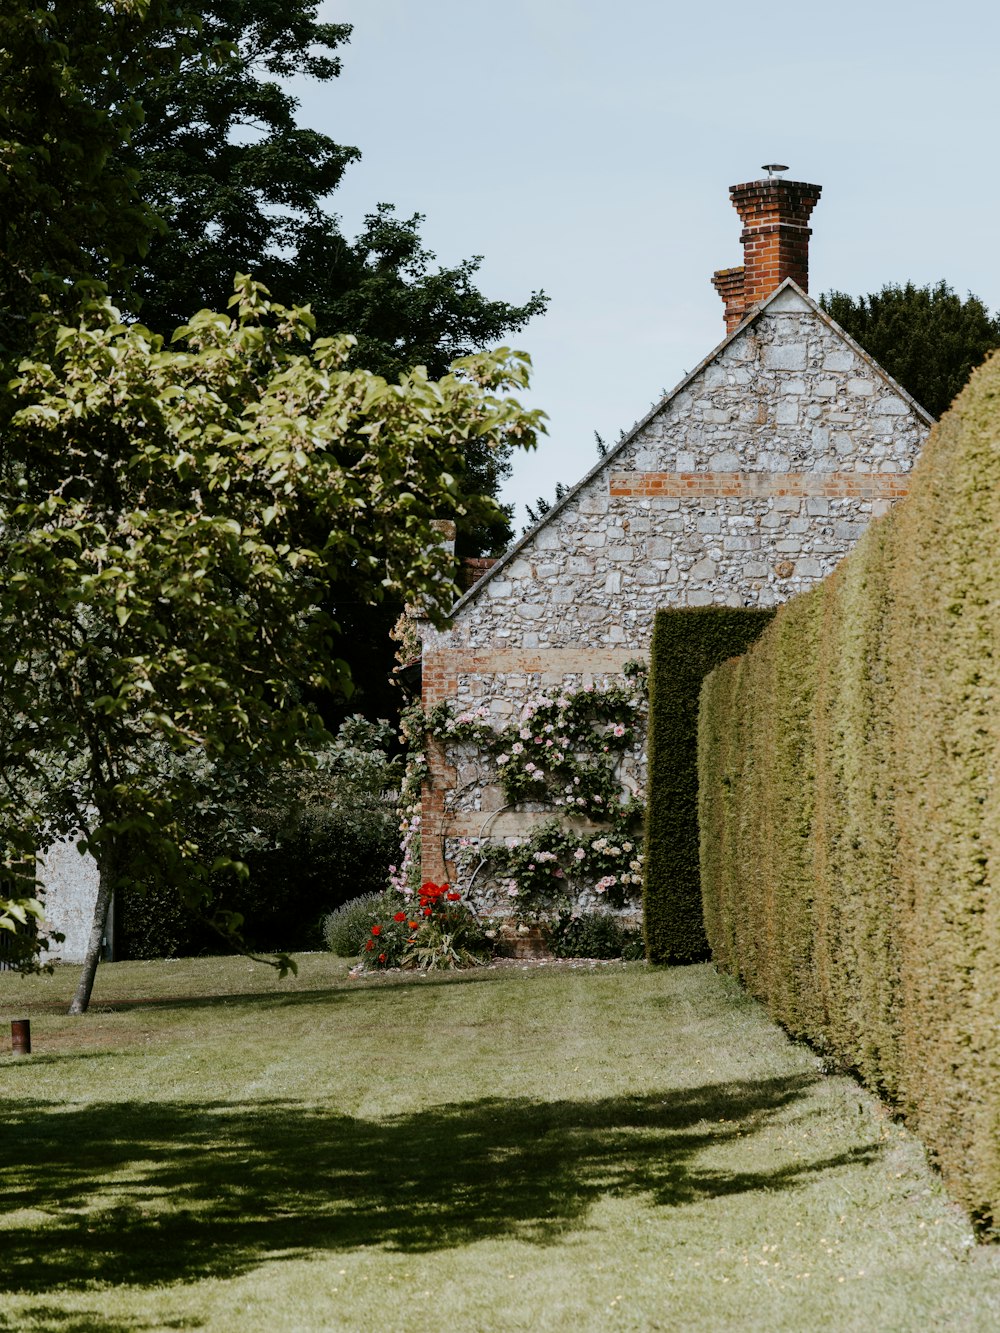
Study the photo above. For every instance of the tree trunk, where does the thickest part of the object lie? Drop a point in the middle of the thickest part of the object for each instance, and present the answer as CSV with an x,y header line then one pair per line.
x,y
107,865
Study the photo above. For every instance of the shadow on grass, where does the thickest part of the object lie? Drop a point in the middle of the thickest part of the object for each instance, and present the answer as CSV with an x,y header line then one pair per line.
x,y
150,1193
57,1320
159,1003
238,999
374,986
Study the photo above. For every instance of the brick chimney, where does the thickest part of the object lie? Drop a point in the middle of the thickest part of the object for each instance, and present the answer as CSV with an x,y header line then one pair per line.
x,y
775,237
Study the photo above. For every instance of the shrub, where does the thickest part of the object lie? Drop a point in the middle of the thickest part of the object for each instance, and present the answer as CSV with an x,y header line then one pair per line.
x,y
448,934
310,839
389,938
595,935
385,930
20,948
346,928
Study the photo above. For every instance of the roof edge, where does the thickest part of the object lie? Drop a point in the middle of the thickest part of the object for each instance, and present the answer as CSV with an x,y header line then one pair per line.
x,y
867,357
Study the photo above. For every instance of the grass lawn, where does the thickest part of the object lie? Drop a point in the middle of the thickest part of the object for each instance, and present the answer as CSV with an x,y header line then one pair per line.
x,y
558,1147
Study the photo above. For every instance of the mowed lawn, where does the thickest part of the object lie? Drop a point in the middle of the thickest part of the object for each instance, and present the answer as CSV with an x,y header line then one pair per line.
x,y
549,1147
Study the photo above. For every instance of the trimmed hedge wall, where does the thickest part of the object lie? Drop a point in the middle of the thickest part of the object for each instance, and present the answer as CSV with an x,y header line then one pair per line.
x,y
686,645
850,805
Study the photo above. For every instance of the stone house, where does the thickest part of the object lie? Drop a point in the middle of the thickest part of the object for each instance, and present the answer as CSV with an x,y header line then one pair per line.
x,y
745,485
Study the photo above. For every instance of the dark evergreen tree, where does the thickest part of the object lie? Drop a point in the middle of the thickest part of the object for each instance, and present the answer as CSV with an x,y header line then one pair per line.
x,y
221,159
73,76
242,187
927,338
152,144
542,506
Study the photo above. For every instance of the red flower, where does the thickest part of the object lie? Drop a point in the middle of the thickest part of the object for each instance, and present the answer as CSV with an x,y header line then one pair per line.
x,y
454,897
428,911
376,930
400,916
413,924
370,944
381,957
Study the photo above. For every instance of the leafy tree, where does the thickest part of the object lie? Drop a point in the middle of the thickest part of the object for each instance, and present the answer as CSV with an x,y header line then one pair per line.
x,y
152,144
927,338
149,144
241,186
220,158
170,521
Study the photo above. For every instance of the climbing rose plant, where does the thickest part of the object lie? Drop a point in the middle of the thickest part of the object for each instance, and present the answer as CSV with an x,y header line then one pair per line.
x,y
557,867
564,750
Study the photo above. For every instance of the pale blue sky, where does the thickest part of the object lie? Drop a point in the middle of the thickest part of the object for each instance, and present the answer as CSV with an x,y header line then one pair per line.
x,y
587,148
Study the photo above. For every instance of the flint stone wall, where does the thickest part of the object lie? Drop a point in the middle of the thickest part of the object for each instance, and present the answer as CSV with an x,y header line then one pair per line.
x,y
69,893
744,486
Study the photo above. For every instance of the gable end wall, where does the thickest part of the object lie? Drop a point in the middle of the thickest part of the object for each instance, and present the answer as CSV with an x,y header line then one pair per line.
x,y
748,485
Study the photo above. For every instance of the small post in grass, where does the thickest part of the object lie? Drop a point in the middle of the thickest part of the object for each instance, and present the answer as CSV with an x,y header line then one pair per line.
x,y
20,1036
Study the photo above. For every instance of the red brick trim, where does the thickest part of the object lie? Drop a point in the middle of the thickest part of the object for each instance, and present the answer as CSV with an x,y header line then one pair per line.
x,y
761,485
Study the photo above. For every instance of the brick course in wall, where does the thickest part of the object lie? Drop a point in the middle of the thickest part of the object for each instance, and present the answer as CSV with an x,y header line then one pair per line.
x,y
756,485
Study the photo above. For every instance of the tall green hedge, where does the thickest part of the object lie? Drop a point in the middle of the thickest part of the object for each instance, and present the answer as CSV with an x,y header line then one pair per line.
x,y
850,805
686,645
